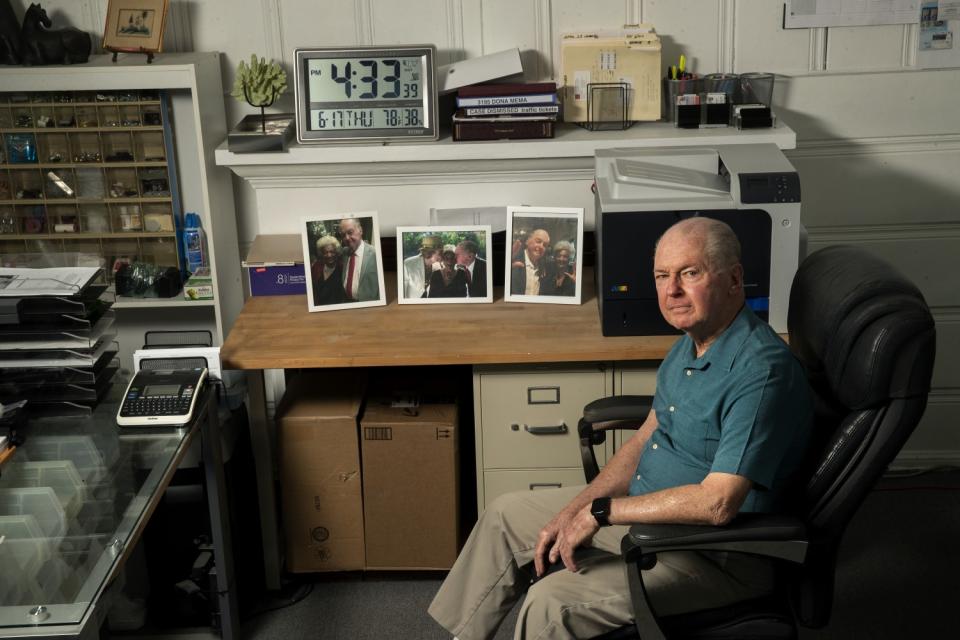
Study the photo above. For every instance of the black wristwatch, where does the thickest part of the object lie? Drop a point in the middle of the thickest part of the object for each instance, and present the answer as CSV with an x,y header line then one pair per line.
x,y
601,511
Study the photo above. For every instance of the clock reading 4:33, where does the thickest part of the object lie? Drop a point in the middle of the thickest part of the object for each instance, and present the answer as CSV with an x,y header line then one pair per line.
x,y
364,93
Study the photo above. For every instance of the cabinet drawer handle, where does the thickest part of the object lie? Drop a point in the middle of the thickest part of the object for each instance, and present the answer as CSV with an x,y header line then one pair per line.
x,y
545,485
546,430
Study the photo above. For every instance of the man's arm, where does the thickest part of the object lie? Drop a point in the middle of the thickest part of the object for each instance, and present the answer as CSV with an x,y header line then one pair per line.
x,y
613,480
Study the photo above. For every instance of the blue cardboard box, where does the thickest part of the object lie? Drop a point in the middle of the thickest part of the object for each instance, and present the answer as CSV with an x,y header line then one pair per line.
x,y
274,266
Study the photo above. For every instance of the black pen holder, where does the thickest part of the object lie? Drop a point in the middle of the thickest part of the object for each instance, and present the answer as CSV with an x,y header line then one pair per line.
x,y
672,89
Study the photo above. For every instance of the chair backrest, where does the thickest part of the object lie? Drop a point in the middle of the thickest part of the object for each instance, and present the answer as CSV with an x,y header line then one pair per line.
x,y
867,340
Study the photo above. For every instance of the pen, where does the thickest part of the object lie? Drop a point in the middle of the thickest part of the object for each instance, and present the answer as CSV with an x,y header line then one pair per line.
x,y
673,72
683,64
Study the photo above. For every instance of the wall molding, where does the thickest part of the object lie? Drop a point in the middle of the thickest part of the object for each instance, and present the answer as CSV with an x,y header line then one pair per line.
x,y
453,10
883,233
500,175
818,49
833,147
363,20
547,46
632,11
726,36
911,35
182,31
270,13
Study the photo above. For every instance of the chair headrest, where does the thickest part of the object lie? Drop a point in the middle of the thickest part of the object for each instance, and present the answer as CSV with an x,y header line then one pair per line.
x,y
849,312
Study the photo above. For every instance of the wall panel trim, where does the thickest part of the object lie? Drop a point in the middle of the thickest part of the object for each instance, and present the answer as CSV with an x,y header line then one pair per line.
x,y
270,11
883,233
838,147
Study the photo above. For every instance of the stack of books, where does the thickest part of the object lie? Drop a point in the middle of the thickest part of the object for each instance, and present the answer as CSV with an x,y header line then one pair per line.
x,y
511,111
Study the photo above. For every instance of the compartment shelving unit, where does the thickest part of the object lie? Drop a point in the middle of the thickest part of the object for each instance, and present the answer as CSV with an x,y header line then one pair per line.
x,y
146,125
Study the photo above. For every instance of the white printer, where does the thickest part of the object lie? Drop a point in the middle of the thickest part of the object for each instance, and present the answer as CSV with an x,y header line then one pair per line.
x,y
642,192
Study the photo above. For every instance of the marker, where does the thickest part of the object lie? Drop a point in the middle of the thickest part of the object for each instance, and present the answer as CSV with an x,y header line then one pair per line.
x,y
683,64
673,72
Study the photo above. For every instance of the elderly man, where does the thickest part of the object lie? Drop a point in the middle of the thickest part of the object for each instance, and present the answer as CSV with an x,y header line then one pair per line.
x,y
728,429
360,280
529,266
476,268
417,269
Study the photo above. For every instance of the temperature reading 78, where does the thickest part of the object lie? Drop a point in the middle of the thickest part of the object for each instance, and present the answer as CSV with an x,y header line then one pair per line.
x,y
402,117
391,80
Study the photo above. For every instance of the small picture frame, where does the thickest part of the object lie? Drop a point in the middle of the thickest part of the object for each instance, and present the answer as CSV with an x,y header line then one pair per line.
x,y
342,263
543,255
444,264
135,26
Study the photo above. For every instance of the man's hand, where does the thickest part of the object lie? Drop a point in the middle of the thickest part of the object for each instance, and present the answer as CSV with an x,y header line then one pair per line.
x,y
560,537
579,530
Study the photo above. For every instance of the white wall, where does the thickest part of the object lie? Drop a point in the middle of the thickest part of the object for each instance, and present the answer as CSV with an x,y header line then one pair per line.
x,y
878,139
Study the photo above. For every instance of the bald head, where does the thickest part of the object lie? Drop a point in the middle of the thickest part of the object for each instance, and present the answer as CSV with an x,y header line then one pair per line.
x,y
720,246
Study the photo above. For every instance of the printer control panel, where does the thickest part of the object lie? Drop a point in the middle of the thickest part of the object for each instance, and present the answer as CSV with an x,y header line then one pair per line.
x,y
760,188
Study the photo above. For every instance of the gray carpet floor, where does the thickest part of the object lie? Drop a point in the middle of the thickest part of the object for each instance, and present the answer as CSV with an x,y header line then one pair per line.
x,y
896,579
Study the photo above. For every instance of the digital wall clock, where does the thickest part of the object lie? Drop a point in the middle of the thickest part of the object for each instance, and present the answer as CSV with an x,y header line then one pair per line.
x,y
366,93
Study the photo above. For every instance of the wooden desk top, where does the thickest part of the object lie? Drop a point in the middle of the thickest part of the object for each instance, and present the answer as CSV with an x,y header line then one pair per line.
x,y
277,332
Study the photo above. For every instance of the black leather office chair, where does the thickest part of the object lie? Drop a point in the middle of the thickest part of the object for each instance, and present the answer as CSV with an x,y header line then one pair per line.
x,y
866,338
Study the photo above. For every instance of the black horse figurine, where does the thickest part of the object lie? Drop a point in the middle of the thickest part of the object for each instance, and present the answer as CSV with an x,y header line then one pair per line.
x,y
9,34
41,45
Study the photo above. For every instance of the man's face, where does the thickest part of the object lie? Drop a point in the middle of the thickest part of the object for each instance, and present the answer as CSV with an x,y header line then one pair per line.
x,y
329,254
352,234
691,297
537,245
464,257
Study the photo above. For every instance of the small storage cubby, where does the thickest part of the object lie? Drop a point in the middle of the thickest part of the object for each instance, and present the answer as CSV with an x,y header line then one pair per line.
x,y
88,172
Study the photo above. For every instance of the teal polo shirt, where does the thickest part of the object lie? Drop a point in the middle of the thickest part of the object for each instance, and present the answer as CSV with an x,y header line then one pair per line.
x,y
743,407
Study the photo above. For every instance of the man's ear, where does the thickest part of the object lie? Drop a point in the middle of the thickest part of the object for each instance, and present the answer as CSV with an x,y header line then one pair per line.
x,y
736,276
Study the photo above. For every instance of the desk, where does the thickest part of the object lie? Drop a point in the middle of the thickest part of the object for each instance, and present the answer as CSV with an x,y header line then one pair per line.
x,y
74,501
277,332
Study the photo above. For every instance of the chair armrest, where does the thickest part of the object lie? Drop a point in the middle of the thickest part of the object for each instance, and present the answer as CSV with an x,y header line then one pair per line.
x,y
775,536
772,536
600,416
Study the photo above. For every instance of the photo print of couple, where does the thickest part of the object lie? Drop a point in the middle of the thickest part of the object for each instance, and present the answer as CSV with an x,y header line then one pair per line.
x,y
543,255
341,261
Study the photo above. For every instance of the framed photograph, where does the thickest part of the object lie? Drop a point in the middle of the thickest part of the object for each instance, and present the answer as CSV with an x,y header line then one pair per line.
x,y
341,261
135,25
444,264
543,255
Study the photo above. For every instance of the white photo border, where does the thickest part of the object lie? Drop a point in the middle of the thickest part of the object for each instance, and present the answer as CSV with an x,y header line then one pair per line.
x,y
374,241
566,213
485,229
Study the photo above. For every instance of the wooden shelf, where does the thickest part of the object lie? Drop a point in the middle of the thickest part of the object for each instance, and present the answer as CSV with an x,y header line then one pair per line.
x,y
124,302
85,165
56,201
117,129
101,103
74,235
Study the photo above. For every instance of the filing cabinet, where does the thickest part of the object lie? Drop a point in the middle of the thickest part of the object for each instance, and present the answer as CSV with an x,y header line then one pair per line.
x,y
526,421
526,425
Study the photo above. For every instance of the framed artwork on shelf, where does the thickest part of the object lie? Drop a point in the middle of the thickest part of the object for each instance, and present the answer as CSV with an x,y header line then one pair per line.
x,y
542,255
135,26
444,264
342,266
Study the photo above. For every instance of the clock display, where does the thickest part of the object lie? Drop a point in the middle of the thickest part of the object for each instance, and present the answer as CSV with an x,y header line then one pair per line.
x,y
365,92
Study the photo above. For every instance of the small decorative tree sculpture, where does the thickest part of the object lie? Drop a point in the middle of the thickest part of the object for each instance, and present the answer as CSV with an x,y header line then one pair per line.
x,y
259,84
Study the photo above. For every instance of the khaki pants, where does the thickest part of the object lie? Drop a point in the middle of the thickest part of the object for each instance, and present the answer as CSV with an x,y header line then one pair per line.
x,y
491,575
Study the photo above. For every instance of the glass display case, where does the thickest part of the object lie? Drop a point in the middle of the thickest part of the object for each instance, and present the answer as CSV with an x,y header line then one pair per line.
x,y
74,498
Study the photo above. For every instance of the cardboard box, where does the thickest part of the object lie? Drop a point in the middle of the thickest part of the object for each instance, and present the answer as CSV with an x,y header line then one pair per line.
x,y
630,55
320,482
410,485
199,286
275,265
